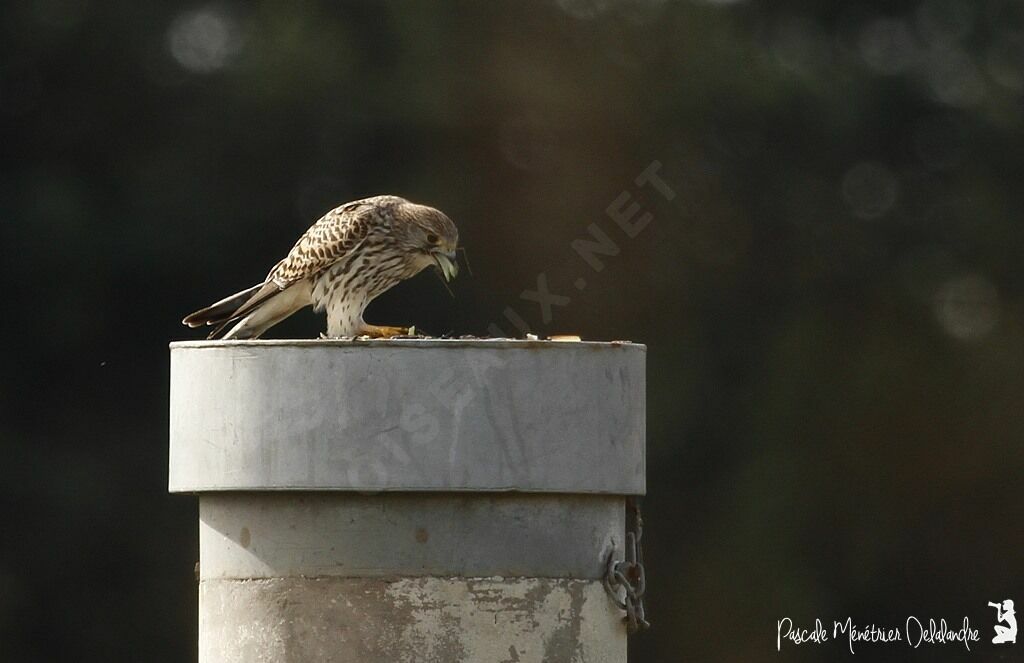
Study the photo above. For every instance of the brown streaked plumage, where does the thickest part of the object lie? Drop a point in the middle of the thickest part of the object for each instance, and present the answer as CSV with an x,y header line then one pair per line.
x,y
351,255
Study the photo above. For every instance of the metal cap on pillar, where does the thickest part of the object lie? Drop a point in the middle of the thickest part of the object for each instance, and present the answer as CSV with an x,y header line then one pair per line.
x,y
408,500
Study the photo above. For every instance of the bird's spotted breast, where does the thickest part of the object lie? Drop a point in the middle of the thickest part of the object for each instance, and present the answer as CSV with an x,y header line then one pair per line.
x,y
346,288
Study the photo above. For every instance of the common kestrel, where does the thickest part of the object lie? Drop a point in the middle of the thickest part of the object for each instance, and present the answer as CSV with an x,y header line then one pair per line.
x,y
350,256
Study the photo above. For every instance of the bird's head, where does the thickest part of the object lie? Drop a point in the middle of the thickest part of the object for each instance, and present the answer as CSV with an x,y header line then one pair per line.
x,y
430,238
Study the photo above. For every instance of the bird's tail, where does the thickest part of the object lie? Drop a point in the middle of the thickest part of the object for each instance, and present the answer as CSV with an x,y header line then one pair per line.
x,y
220,311
255,309
231,308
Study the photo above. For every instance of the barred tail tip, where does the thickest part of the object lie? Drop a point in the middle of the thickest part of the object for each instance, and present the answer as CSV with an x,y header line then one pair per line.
x,y
220,311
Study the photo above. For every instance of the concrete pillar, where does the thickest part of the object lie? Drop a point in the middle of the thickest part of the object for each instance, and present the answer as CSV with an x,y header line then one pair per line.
x,y
408,500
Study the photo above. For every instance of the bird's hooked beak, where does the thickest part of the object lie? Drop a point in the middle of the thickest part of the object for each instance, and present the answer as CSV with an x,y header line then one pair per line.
x,y
446,264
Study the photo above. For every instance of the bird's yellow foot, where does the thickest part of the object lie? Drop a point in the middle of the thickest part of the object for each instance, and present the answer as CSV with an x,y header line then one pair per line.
x,y
375,331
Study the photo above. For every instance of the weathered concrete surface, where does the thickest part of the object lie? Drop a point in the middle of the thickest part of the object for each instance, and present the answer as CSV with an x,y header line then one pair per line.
x,y
409,620
266,535
408,415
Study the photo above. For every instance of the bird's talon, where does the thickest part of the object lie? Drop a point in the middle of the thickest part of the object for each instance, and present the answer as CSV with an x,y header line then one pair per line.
x,y
378,331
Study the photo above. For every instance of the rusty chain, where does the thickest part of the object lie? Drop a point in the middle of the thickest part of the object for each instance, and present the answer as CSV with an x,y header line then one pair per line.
x,y
627,576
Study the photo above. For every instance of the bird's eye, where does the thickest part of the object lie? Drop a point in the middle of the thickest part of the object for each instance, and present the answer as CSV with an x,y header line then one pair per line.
x,y
432,238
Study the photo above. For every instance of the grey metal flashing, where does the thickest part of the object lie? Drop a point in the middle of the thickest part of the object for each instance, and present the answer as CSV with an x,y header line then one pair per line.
x,y
484,415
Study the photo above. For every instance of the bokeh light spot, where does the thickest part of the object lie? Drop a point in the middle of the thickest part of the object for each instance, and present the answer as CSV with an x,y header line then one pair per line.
x,y
204,40
887,46
528,143
870,189
941,22
1005,61
584,9
800,45
954,78
967,307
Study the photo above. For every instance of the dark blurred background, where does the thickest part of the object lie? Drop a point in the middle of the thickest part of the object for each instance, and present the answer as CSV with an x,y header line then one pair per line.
x,y
832,301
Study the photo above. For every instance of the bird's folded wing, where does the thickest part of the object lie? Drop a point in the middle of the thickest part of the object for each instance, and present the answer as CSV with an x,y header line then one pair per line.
x,y
326,242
